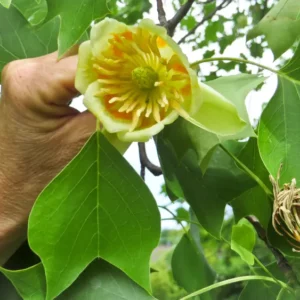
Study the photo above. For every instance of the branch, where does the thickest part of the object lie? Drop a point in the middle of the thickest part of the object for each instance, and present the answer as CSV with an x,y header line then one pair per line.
x,y
206,18
146,163
181,13
282,262
161,13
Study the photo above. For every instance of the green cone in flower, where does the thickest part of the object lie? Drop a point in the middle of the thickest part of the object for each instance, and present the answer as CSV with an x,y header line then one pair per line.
x,y
136,80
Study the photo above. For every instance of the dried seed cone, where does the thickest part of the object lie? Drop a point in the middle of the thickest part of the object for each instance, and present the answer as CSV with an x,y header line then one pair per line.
x,y
286,211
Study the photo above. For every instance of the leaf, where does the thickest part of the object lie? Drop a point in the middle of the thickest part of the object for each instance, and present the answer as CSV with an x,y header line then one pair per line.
x,y
278,133
30,282
18,40
189,266
76,17
207,193
292,68
253,201
243,240
103,281
7,289
96,207
100,280
262,290
280,26
35,11
5,3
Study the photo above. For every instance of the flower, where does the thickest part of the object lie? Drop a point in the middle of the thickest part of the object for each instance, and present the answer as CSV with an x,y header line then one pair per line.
x,y
136,80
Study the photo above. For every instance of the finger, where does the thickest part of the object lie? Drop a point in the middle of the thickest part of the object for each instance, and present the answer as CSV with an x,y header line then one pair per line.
x,y
81,127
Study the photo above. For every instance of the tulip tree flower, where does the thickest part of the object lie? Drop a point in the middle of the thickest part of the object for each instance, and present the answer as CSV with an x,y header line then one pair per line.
x,y
136,80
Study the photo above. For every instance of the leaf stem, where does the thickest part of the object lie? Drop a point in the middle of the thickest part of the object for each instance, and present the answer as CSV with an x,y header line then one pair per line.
x,y
181,219
235,59
233,280
249,172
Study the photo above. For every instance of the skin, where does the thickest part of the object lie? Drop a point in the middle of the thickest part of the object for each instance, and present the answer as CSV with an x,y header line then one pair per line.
x,y
39,135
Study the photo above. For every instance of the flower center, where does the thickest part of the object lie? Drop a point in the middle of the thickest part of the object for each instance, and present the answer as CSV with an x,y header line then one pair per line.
x,y
144,77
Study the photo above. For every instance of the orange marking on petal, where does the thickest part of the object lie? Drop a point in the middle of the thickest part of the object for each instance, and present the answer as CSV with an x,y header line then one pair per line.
x,y
179,68
160,42
112,108
186,91
127,35
117,51
147,122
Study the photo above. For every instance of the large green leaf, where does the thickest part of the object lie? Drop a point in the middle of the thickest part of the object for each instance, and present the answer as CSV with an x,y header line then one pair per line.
x,y
189,265
279,138
280,26
96,207
35,11
243,240
76,17
30,283
254,201
18,40
207,193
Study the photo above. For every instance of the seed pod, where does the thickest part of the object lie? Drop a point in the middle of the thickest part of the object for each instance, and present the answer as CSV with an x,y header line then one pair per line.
x,y
286,211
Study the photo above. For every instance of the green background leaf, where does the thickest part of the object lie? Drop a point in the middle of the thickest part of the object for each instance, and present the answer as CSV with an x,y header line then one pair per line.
x,y
189,265
278,135
5,3
18,40
35,11
30,283
254,201
280,26
96,207
76,17
243,239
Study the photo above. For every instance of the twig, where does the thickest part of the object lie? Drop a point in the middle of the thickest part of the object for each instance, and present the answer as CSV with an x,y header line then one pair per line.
x,y
146,163
206,18
161,13
181,13
282,262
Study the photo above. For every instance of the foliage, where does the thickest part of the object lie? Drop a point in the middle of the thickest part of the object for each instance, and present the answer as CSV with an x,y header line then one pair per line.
x,y
96,224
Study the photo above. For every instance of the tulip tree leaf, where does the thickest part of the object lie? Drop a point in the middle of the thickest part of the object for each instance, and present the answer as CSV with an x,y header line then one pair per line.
x,y
5,3
243,239
96,207
18,40
278,137
189,265
207,193
292,68
100,280
103,281
280,26
34,11
254,201
30,283
76,17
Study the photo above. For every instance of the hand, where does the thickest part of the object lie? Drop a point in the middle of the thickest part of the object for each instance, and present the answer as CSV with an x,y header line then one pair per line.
x,y
39,135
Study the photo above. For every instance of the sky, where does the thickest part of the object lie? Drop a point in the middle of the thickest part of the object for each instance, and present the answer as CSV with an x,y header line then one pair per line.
x,y
254,100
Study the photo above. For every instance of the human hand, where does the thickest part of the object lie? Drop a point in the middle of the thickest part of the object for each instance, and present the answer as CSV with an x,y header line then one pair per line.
x,y
39,135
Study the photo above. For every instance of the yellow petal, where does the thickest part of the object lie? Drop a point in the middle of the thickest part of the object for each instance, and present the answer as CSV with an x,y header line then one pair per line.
x,y
97,106
216,114
143,135
85,74
103,31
